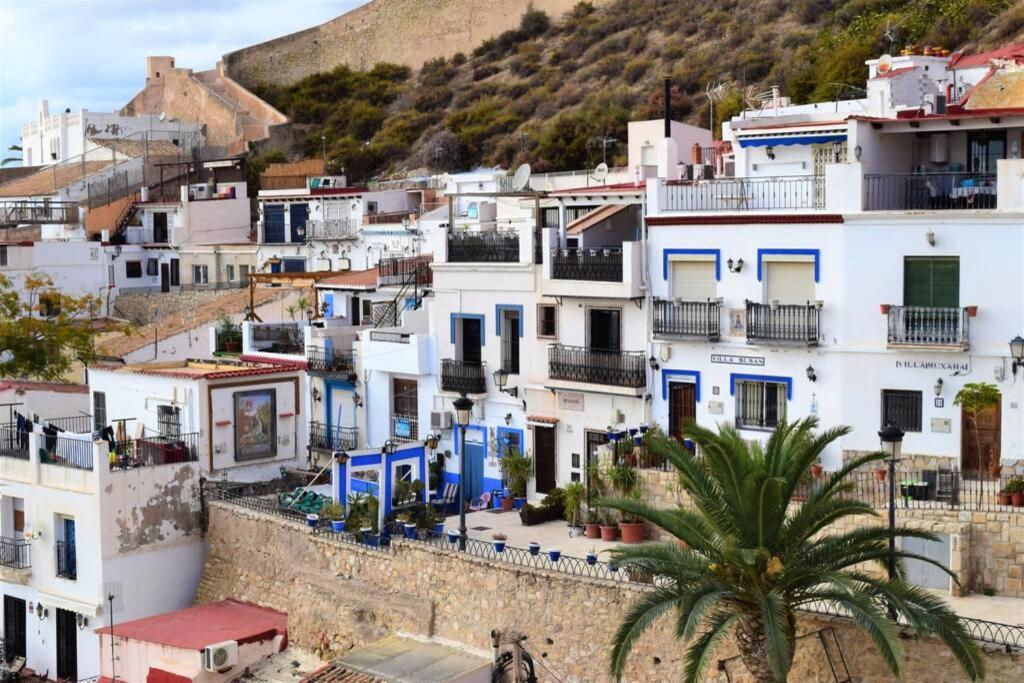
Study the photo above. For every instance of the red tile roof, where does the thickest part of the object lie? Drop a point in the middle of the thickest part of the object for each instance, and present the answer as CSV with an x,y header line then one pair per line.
x,y
56,387
361,279
896,72
208,369
961,61
196,627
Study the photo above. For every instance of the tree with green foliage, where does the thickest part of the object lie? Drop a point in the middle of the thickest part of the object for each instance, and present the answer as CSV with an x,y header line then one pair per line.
x,y
750,561
976,398
10,160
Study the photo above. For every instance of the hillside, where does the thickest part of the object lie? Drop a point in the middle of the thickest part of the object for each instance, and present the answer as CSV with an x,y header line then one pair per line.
x,y
541,93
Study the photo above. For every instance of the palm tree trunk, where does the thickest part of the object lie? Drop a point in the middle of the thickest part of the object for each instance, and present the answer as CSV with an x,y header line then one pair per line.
x,y
753,647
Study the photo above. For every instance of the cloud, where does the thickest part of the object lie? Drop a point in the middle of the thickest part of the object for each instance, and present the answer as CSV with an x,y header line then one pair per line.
x,y
91,54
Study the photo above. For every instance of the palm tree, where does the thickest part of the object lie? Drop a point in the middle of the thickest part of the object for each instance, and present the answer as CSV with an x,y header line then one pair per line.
x,y
752,561
11,160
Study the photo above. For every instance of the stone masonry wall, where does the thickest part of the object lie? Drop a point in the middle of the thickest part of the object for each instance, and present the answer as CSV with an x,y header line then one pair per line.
x,y
344,596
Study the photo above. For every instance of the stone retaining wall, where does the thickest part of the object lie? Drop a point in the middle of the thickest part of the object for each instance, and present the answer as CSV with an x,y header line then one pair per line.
x,y
346,596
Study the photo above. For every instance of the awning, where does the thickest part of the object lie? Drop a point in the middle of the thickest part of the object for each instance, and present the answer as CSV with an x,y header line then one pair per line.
x,y
780,140
591,219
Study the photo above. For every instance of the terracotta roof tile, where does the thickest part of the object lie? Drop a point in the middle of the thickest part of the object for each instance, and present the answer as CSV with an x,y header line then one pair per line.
x,y
361,279
44,182
137,148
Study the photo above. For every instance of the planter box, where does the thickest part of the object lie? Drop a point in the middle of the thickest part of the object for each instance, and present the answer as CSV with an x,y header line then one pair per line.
x,y
534,516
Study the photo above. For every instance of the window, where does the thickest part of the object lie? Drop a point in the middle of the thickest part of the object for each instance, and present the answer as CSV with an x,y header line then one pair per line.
x,y
244,271
175,272
510,341
509,440
574,212
133,269
760,404
67,562
99,410
49,304
790,282
604,331
932,281
200,275
693,280
547,320
152,266
549,217
230,271
168,420
902,408
405,409
984,149
3,255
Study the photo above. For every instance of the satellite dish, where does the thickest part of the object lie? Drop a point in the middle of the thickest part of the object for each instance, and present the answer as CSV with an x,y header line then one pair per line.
x,y
601,172
521,178
884,64
162,117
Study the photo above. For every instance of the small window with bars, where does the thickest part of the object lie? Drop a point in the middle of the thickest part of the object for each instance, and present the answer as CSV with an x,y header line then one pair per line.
x,y
547,320
760,404
3,255
902,408
168,420
99,410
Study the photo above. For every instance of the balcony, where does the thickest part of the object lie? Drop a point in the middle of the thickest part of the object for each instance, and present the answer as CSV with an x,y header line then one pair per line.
x,y
778,193
592,366
593,265
331,229
695,319
926,326
330,362
398,272
461,377
15,554
140,235
783,323
155,450
929,191
483,247
14,213
283,338
13,443
77,424
62,451
326,438
67,561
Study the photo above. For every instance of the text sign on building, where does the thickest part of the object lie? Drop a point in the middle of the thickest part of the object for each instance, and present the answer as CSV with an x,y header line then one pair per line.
x,y
728,359
952,366
570,401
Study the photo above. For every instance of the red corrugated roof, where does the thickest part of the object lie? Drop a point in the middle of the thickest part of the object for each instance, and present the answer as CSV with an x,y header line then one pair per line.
x,y
196,627
896,72
961,61
355,278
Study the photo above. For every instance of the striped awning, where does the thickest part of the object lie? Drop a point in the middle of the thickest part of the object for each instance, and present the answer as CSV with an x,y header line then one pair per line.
x,y
803,138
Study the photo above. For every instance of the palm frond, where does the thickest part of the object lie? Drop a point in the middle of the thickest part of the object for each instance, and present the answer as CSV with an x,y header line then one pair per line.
x,y
640,616
699,654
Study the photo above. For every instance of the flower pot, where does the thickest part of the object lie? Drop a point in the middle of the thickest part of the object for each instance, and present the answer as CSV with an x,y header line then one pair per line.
x,y
592,530
232,346
884,308
816,471
337,525
453,536
1005,498
880,474
608,533
534,548
439,529
632,532
507,504
518,503
410,531
554,554
1017,499
312,520
591,559
612,567
372,540
972,311
499,546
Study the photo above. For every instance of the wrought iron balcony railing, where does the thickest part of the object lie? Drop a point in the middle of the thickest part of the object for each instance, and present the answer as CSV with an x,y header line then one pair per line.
x,y
323,437
783,323
928,326
461,377
483,247
580,364
15,553
746,194
701,319
595,265
929,191
322,361
284,338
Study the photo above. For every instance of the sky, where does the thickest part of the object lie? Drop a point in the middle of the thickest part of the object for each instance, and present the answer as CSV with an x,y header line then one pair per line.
x,y
91,54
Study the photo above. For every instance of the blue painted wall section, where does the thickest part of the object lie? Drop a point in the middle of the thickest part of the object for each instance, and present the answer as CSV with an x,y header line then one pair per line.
x,y
667,375
816,253
788,381
666,253
498,308
463,316
502,432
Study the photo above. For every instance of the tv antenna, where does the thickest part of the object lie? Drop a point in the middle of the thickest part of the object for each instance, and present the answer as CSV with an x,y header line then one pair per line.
x,y
605,141
890,30
521,178
714,91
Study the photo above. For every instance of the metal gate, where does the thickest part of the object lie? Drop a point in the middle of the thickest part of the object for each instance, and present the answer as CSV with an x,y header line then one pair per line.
x,y
14,628
67,645
921,573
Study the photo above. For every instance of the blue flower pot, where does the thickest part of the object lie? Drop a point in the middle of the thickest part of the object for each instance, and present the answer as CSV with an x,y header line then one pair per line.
x,y
453,536
410,531
535,548
372,540
518,503
496,501
612,567
591,559
312,520
499,546
439,529
337,525
553,555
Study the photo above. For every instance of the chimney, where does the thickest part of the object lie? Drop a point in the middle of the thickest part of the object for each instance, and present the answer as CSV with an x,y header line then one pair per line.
x,y
667,151
667,104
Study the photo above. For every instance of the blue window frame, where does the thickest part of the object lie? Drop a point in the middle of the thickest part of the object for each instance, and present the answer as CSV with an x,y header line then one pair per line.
x,y
667,253
816,253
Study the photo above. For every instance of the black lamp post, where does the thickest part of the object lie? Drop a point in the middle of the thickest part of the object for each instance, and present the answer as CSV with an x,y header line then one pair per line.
x,y
463,410
892,437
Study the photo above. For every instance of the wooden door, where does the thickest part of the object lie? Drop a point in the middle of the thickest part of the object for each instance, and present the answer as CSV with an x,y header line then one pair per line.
x,y
682,407
67,645
989,433
544,452
165,277
14,628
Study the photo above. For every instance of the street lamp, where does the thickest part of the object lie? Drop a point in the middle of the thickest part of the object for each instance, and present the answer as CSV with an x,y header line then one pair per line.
x,y
892,437
463,411
1017,353
501,379
389,447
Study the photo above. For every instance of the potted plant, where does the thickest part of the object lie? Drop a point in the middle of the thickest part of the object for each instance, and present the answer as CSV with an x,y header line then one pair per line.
x,y
531,514
972,311
453,536
517,468
632,527
554,504
408,526
592,557
433,522
574,495
534,548
816,468
229,334
624,480
554,554
312,519
1004,497
975,398
880,473
591,528
507,501
335,512
1015,487
499,541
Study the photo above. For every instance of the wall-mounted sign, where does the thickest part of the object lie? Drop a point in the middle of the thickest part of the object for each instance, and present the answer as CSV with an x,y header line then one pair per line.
x,y
255,424
571,400
403,429
961,367
729,359
940,402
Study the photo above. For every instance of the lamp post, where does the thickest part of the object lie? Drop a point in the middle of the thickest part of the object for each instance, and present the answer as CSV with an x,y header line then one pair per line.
x,y
892,437
463,410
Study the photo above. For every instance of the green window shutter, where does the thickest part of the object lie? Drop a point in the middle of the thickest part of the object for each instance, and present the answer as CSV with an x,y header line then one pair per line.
x,y
946,282
917,281
931,281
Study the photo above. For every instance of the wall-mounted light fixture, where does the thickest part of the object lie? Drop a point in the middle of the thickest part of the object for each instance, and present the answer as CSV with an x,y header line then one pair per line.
x,y
41,611
501,379
1017,353
316,395
938,387
82,621
653,362
508,419
837,149
930,237
734,267
357,400
341,457
811,375
857,151
770,151
431,441
388,448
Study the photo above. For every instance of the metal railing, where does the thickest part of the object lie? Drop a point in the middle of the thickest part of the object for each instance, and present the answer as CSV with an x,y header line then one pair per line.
x,y
152,451
483,247
331,229
387,217
783,323
384,313
284,338
324,362
64,452
326,438
462,377
580,364
928,326
13,443
929,191
15,553
701,319
78,424
596,265
67,561
140,235
33,211
404,271
405,428
746,194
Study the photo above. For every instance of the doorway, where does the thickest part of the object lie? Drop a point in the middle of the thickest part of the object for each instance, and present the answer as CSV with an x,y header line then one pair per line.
x,y
603,330
544,454
682,407
160,227
470,342
986,436
474,446
14,628
165,277
67,645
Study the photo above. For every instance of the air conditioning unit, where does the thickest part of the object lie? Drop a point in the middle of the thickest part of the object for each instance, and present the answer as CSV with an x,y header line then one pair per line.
x,y
440,419
220,657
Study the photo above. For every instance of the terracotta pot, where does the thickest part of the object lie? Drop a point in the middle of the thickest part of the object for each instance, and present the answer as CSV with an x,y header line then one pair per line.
x,y
592,530
1017,499
972,311
507,503
884,308
1004,498
880,473
816,471
608,533
632,532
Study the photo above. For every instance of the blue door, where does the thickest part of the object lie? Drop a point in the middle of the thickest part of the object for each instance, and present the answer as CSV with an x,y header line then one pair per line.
x,y
474,470
298,214
275,267
273,224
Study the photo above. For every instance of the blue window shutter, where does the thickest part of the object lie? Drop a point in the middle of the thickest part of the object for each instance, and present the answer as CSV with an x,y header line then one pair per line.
x,y
328,304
